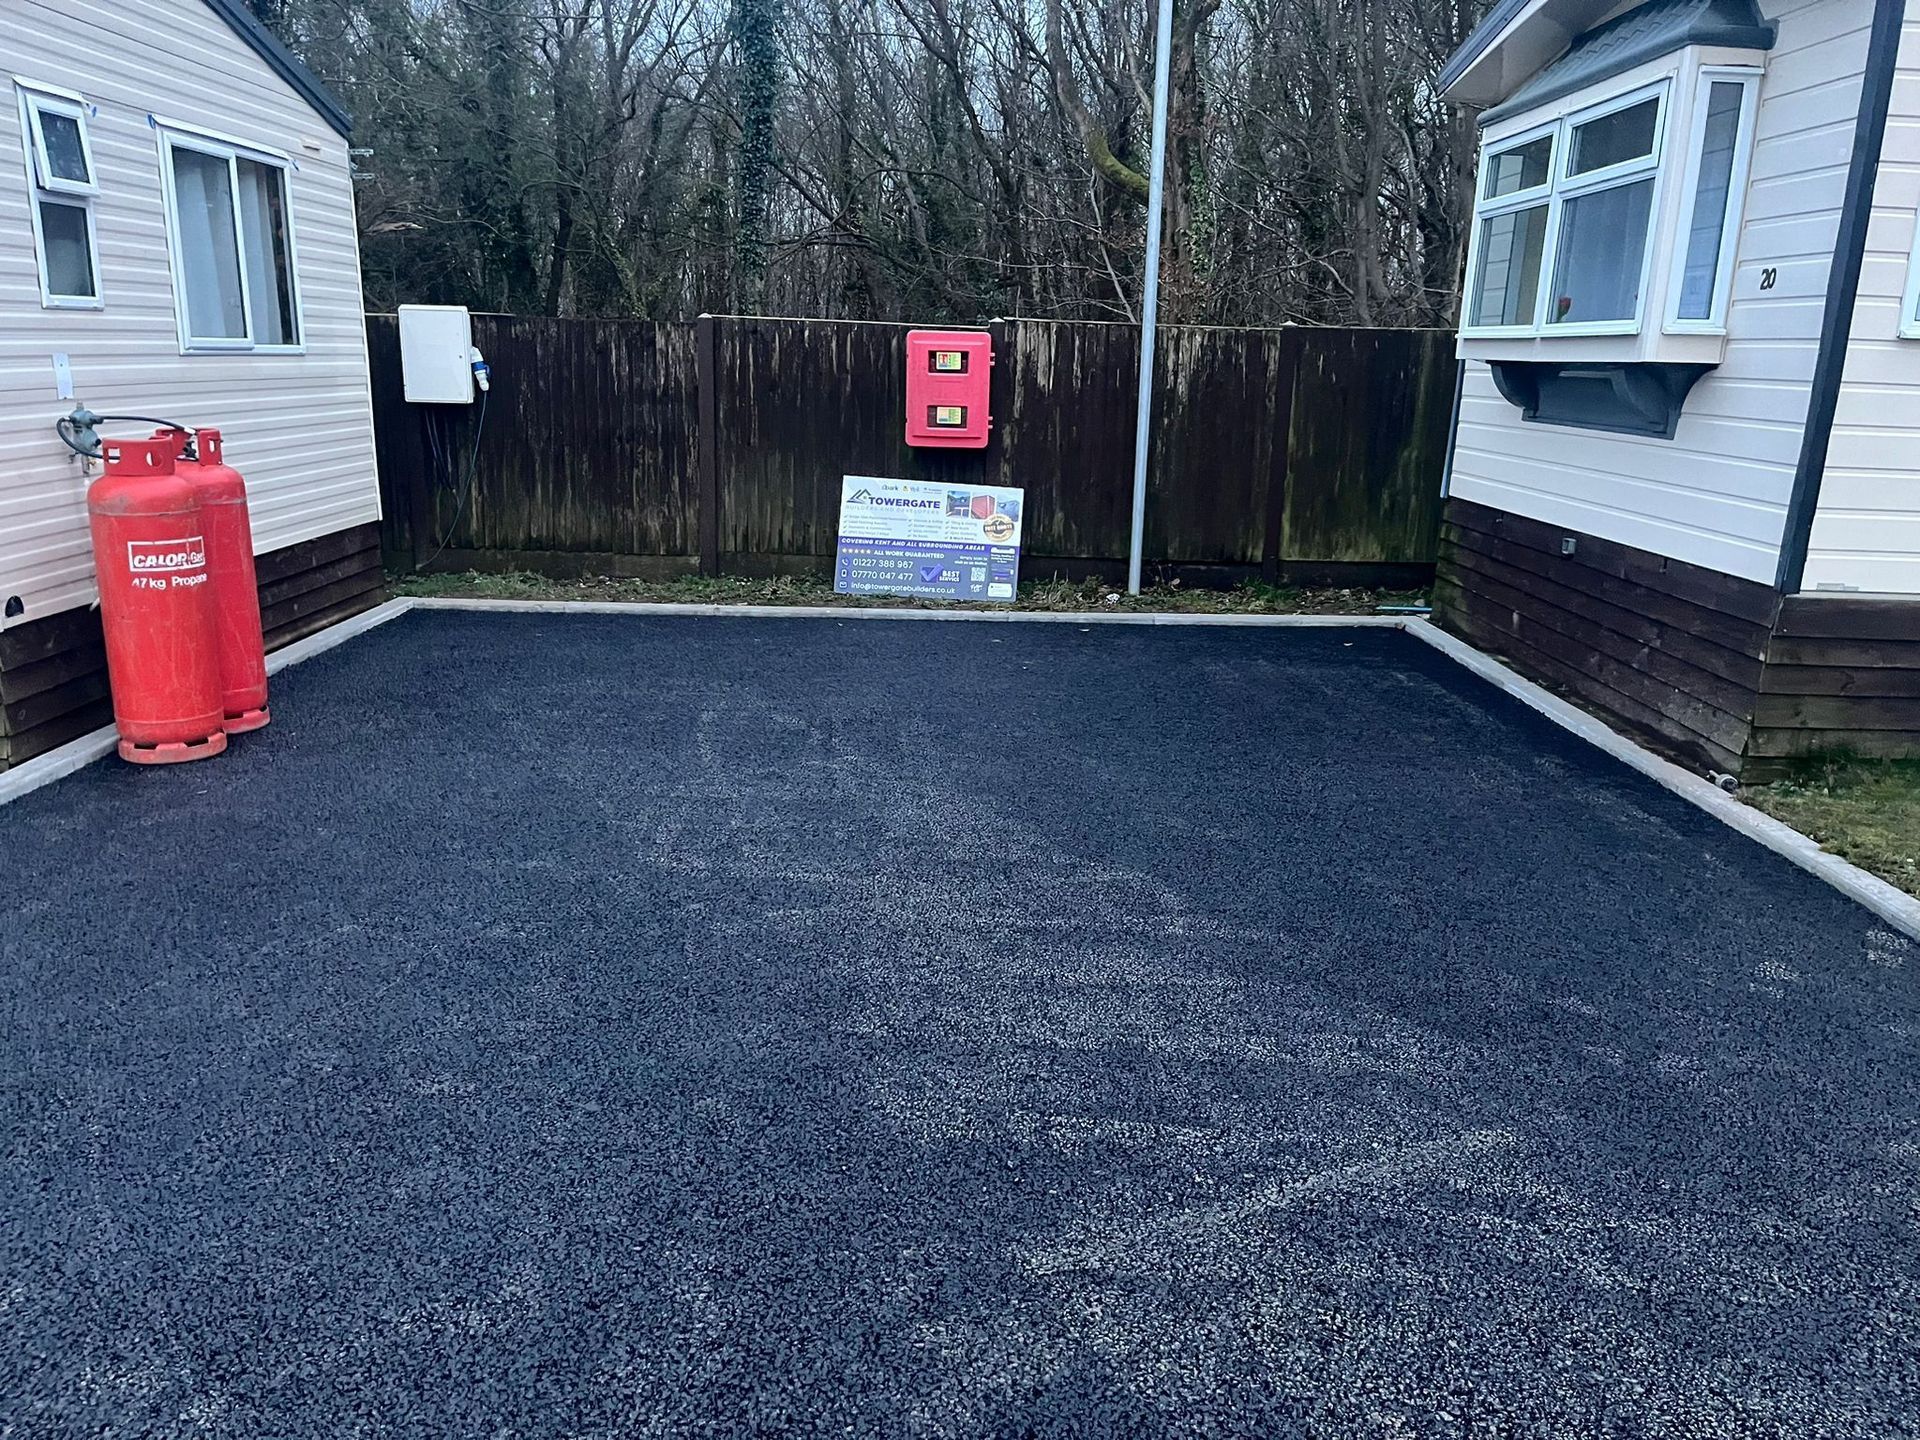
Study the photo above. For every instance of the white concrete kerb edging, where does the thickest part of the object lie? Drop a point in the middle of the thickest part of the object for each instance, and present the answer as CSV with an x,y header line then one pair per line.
x,y
1894,906
899,612
1891,904
97,744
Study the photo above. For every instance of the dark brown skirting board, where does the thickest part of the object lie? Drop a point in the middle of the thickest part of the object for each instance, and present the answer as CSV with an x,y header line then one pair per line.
x,y
1843,673
1670,651
1715,671
53,672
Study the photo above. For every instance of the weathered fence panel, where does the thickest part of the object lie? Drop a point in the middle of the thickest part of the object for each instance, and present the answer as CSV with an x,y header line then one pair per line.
x,y
588,448
1294,453
1221,449
1063,416
800,404
1370,415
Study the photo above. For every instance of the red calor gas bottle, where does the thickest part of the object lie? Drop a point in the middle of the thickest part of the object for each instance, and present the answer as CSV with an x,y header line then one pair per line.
x,y
236,594
155,605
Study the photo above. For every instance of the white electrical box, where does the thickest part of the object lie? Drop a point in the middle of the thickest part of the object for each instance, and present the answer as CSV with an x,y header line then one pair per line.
x,y
436,354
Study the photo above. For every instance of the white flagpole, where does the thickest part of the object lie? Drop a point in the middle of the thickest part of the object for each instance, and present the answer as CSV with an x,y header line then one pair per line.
x,y
1150,300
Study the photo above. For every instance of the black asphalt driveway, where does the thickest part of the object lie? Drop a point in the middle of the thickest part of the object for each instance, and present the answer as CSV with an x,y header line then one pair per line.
x,y
602,1026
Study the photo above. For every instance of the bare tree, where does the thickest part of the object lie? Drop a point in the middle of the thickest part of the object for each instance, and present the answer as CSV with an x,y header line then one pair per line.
x,y
922,159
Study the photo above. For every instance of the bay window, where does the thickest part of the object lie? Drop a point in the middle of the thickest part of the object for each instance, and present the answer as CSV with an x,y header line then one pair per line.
x,y
1569,231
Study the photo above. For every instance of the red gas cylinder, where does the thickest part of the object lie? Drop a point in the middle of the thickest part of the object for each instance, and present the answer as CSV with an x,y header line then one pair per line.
x,y
236,594
155,605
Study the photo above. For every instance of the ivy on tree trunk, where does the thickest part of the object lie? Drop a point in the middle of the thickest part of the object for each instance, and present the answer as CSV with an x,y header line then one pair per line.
x,y
756,38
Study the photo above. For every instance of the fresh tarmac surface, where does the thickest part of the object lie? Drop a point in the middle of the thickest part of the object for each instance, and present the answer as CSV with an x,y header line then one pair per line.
x,y
598,1026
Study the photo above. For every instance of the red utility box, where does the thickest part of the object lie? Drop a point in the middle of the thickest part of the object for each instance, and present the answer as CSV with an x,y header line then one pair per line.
x,y
150,554
948,373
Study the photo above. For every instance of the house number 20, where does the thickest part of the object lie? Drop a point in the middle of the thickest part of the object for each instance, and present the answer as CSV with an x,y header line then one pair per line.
x,y
1769,277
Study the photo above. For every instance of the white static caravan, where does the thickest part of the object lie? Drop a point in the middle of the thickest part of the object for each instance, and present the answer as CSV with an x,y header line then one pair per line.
x,y
177,240
1684,483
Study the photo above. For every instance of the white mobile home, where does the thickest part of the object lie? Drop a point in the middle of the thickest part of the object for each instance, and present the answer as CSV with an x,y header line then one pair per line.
x,y
1685,476
177,240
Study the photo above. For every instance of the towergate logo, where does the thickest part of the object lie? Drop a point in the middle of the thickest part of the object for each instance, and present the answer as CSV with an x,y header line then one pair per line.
x,y
864,496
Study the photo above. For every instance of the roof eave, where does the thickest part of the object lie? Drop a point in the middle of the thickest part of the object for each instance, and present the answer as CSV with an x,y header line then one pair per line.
x,y
1462,79
1516,40
284,63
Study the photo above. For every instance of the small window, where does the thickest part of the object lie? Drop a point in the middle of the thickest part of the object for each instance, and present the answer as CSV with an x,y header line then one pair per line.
x,y
62,156
1524,167
66,246
1619,137
1508,285
1710,223
60,165
233,247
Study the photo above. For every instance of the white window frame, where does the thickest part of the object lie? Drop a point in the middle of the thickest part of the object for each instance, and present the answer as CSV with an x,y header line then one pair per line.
x,y
1910,297
43,186
1727,262
174,136
1559,188
46,101
1485,209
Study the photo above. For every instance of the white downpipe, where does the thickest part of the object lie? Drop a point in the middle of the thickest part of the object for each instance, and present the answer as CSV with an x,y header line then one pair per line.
x,y
1150,299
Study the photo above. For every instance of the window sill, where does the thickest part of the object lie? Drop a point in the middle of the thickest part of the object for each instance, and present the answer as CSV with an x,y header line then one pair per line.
x,y
1647,348
1563,331
238,347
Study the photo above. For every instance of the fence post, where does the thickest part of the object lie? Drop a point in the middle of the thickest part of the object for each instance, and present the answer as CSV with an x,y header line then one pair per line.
x,y
707,364
1290,360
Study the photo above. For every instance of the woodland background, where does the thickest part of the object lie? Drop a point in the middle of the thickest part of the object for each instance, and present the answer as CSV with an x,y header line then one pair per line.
x,y
926,160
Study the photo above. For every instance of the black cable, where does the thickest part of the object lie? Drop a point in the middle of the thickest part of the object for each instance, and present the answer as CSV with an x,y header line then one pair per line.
x,y
65,424
431,422
150,420
466,489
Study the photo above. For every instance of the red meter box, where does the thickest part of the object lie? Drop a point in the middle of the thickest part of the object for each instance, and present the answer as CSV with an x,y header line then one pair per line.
x,y
948,372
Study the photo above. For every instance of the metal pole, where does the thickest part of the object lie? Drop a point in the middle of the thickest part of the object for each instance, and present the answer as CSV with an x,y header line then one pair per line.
x,y
1150,300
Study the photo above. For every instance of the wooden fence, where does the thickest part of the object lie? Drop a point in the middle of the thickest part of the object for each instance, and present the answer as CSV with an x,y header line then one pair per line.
x,y
628,447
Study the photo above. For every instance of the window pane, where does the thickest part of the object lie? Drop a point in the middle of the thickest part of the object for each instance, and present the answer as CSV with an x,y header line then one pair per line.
x,y
1719,135
1509,280
66,156
1520,168
69,253
263,211
210,252
1624,135
1603,238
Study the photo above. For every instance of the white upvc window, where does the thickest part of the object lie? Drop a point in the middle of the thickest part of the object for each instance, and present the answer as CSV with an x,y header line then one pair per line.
x,y
1568,223
1910,301
1562,222
62,184
230,229
1712,199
